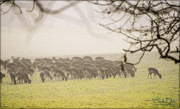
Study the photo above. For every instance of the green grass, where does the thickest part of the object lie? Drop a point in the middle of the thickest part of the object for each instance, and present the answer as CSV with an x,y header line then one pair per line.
x,y
136,92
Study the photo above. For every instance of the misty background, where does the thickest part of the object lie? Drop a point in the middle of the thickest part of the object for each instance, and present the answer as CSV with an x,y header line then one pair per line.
x,y
74,31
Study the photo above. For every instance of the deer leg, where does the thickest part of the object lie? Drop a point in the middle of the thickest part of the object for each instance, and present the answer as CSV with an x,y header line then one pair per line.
x,y
148,75
125,74
7,73
21,81
44,77
59,78
31,76
14,81
155,76
56,78
121,75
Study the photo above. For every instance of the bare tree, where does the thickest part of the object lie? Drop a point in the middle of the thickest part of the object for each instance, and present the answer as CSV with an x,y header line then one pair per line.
x,y
35,6
147,25
33,13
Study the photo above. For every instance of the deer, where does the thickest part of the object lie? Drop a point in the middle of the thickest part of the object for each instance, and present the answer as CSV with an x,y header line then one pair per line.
x,y
155,71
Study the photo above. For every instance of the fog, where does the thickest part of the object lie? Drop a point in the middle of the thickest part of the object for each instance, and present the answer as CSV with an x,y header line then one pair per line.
x,y
72,32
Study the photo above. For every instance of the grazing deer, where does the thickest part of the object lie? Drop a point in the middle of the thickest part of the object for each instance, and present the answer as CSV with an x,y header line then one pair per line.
x,y
23,77
155,71
13,77
45,74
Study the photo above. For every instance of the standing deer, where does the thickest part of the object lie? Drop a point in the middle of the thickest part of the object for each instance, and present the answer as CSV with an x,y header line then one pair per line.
x,y
155,71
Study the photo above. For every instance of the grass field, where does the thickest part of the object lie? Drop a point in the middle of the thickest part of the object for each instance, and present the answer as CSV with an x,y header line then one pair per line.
x,y
137,92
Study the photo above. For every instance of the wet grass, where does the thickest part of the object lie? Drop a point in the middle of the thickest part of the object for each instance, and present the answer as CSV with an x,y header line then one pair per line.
x,y
136,92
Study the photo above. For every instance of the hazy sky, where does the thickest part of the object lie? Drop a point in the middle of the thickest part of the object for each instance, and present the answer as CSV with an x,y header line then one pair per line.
x,y
73,31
